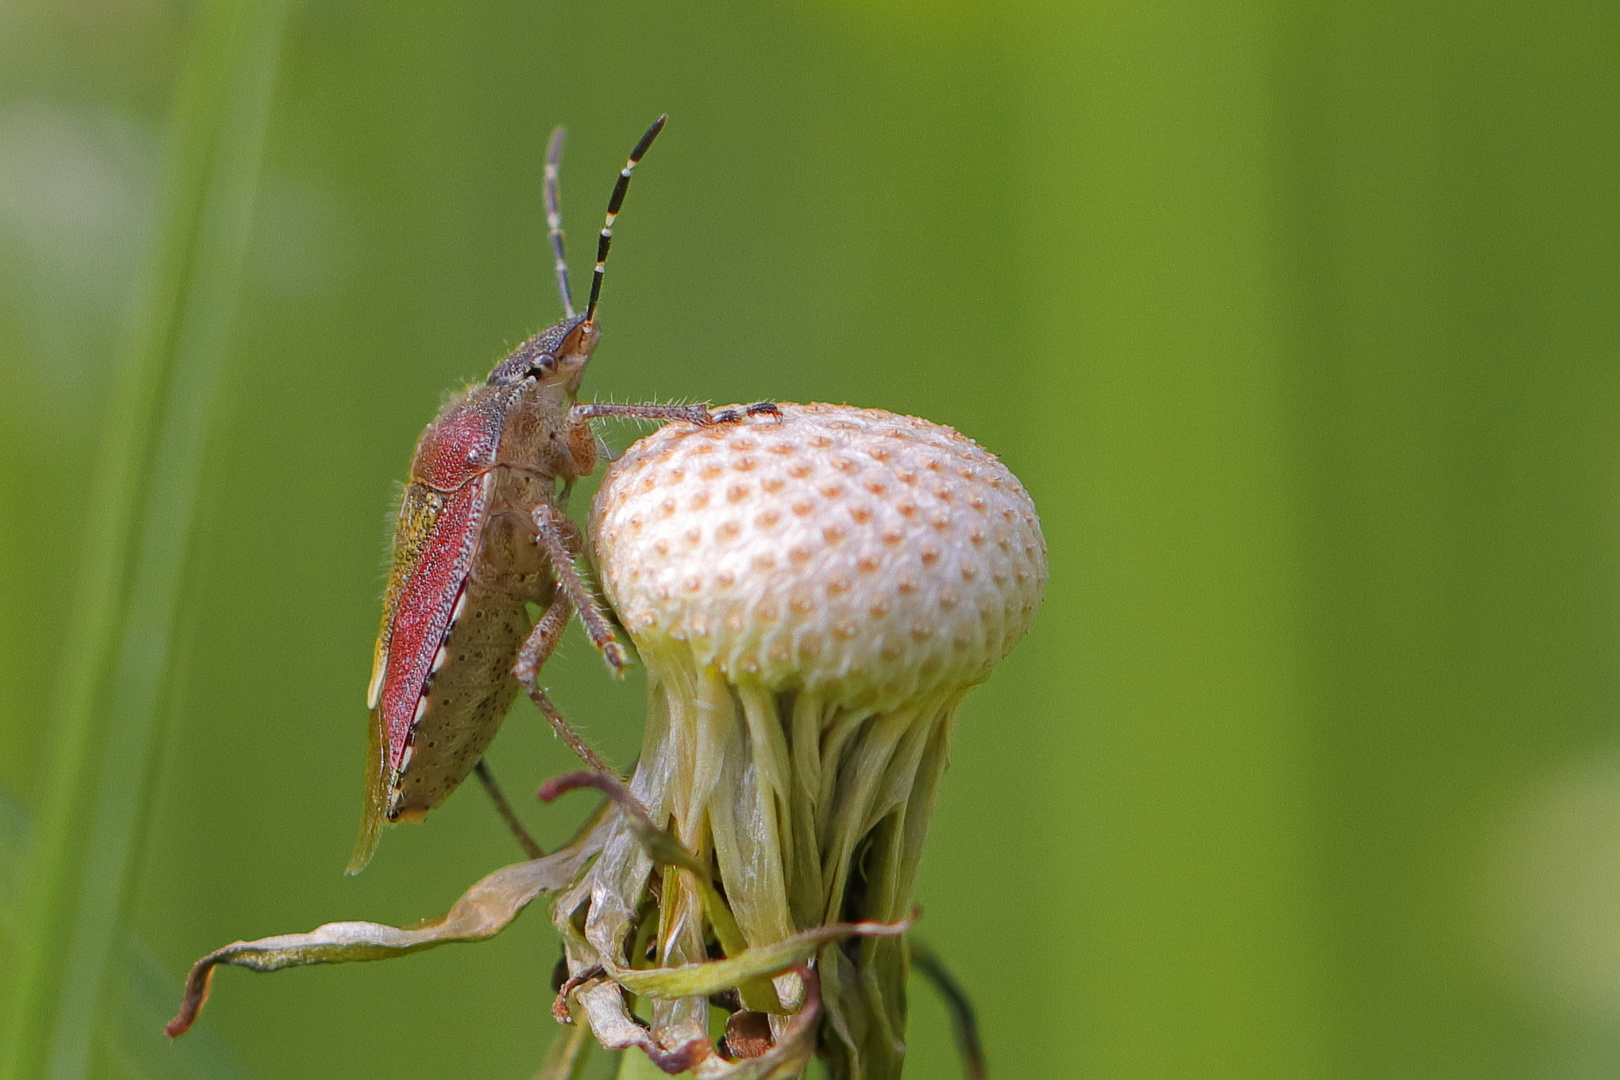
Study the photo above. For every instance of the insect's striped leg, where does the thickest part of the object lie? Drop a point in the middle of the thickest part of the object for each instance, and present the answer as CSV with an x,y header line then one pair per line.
x,y
560,537
508,815
536,651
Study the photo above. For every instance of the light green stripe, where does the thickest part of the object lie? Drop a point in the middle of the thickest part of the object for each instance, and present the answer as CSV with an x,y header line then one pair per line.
x,y
1169,639
139,527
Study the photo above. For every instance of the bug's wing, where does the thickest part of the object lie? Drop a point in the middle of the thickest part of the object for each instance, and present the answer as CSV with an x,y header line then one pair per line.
x,y
434,544
372,817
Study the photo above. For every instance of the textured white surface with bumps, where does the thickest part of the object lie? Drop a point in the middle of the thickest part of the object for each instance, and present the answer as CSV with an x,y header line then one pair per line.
x,y
867,556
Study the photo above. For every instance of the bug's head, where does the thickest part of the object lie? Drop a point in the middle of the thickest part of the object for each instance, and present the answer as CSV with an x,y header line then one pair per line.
x,y
556,356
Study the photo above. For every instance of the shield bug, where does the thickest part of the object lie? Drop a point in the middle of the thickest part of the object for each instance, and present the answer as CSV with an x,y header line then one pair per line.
x,y
481,534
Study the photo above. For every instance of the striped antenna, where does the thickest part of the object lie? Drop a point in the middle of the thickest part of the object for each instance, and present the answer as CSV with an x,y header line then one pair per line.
x,y
554,218
613,212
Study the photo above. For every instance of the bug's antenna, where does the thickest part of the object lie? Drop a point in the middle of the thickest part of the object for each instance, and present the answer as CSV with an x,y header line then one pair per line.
x,y
613,212
554,217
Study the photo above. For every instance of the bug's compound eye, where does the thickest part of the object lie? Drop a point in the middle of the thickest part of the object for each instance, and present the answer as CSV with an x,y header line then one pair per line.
x,y
542,366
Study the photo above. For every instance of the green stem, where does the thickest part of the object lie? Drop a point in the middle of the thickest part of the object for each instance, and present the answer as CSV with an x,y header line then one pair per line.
x,y
137,536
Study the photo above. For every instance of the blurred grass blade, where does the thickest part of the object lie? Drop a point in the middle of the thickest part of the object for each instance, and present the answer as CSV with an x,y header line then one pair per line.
x,y
13,853
637,1067
137,535
569,1053
140,997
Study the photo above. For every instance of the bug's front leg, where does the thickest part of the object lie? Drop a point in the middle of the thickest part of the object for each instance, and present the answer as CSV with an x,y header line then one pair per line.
x,y
607,410
694,414
582,441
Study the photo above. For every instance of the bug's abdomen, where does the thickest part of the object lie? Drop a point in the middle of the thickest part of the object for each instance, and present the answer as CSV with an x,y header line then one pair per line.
x,y
465,700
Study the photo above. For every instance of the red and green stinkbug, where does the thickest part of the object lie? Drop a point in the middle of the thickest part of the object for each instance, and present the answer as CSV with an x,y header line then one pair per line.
x,y
481,534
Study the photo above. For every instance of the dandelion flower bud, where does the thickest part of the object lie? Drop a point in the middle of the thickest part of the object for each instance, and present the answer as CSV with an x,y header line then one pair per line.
x,y
812,594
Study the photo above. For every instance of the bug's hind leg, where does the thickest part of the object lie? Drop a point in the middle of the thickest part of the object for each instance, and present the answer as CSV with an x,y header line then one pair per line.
x,y
536,650
963,1020
528,843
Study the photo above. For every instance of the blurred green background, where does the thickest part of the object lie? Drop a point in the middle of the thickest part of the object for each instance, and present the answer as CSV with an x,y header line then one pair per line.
x,y
1301,322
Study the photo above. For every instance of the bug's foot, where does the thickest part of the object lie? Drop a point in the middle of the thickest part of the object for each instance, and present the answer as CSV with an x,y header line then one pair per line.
x,y
617,656
758,408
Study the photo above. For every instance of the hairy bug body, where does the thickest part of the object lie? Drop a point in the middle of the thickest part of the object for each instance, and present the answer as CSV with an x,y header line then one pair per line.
x,y
481,535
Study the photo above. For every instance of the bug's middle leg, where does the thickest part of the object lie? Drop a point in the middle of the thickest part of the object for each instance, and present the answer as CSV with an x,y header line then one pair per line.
x,y
542,641
560,537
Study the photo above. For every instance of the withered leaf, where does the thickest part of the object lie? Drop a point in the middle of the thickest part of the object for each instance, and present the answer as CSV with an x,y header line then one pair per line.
x,y
482,912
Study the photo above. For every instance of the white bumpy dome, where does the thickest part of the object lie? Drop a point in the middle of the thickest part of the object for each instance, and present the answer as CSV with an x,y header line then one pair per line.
x,y
868,557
